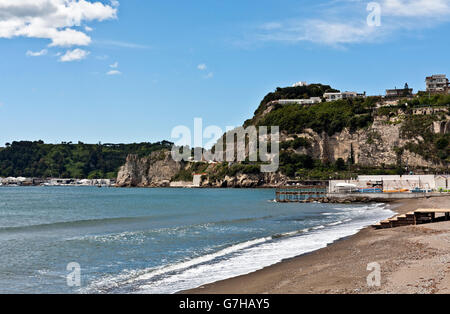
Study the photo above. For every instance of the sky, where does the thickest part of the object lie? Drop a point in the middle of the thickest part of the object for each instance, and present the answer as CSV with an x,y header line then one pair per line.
x,y
132,70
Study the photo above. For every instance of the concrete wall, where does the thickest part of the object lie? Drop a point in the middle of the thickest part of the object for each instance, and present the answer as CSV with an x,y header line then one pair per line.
x,y
181,184
403,182
381,197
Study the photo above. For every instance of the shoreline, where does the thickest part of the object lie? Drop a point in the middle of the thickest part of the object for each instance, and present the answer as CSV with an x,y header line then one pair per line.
x,y
410,259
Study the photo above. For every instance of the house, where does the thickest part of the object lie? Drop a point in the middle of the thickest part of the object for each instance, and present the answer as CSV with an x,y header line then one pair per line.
x,y
284,102
396,93
442,182
343,95
197,181
438,83
300,84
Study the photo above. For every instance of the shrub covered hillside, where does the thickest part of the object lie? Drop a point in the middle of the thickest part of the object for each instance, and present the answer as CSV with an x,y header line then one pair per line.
x,y
300,92
67,160
329,117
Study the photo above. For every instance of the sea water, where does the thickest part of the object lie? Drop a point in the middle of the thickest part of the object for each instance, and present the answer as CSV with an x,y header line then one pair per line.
x,y
157,240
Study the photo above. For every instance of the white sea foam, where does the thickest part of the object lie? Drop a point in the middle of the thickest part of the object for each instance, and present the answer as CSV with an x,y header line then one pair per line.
x,y
245,257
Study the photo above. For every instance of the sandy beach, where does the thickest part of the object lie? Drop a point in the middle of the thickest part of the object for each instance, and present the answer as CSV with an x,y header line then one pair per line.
x,y
413,259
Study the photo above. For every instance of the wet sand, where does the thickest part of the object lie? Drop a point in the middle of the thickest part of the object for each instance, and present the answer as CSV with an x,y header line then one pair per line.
x,y
413,259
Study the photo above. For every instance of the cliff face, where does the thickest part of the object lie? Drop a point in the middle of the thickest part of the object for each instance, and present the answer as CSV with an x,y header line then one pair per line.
x,y
248,181
380,144
155,170
374,146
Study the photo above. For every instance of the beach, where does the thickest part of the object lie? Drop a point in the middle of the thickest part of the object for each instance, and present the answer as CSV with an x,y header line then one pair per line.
x,y
413,259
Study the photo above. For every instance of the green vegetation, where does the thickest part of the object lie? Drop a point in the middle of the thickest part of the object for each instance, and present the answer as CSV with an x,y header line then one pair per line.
x,y
296,143
307,168
425,99
220,171
184,175
329,117
67,160
300,92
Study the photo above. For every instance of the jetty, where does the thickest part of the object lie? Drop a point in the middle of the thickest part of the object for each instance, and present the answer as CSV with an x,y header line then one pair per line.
x,y
295,194
417,217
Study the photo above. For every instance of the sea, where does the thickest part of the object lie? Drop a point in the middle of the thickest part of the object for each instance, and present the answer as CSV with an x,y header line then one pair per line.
x,y
158,241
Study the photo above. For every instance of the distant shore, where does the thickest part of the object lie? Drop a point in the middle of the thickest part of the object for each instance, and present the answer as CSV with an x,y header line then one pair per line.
x,y
413,259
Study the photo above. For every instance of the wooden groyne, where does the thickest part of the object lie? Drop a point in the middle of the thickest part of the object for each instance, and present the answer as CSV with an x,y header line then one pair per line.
x,y
417,217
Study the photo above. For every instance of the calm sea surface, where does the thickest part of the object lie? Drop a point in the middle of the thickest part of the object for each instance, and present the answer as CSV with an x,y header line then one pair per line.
x,y
157,240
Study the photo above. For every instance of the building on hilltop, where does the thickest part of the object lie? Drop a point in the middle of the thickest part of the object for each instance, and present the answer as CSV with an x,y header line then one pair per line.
x,y
310,101
396,93
300,84
438,83
343,95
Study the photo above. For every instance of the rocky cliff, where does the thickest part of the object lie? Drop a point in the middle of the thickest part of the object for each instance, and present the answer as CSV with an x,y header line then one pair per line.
x,y
384,142
156,170
375,146
159,170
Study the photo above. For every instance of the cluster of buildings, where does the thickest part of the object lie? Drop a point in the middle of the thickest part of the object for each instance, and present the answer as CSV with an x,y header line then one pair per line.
x,y
393,184
435,84
21,181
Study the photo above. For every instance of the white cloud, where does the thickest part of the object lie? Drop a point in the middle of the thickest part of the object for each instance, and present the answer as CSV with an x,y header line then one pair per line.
x,y
416,8
56,20
88,29
345,22
202,67
210,75
102,57
74,55
43,52
121,44
114,72
318,31
115,65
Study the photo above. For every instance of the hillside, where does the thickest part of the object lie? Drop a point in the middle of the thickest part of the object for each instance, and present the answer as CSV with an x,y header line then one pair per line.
x,y
338,139
67,160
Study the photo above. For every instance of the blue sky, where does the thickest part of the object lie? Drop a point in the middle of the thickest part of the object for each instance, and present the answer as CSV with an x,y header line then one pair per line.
x,y
131,70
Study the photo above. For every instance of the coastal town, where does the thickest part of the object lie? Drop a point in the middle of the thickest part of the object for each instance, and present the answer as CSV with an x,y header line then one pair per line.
x,y
22,181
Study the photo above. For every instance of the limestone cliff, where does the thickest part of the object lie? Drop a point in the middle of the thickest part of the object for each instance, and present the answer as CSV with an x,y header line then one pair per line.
x,y
382,143
156,170
242,180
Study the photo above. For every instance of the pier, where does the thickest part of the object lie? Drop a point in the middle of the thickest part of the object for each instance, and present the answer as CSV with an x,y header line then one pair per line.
x,y
295,194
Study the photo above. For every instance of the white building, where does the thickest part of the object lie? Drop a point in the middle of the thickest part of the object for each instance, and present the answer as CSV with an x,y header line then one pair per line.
x,y
443,182
197,182
395,182
310,101
300,84
343,95
437,83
